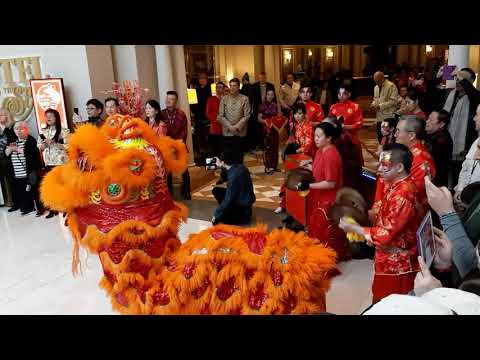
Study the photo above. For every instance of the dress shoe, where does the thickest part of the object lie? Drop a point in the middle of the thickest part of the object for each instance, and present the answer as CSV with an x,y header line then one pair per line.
x,y
23,213
12,209
51,214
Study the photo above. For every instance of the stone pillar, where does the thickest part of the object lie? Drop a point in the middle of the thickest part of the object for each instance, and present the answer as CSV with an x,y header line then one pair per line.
x,y
363,57
219,60
357,60
124,62
273,64
100,68
180,83
346,57
402,54
422,56
413,56
259,58
164,71
474,60
147,69
457,55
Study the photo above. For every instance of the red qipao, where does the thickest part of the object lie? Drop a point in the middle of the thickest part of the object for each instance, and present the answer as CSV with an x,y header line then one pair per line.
x,y
271,137
394,237
327,166
213,104
352,115
314,114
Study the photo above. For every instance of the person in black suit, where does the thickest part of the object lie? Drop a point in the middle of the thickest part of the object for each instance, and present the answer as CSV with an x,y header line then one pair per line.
x,y
259,92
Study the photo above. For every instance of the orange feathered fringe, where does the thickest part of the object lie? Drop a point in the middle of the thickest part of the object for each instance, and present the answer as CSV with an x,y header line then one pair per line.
x,y
303,276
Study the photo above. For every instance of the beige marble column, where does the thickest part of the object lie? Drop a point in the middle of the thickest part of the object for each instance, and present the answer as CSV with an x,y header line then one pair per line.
x,y
180,83
457,55
259,58
422,55
357,60
413,56
364,59
474,60
402,54
273,64
164,71
147,69
346,57
100,68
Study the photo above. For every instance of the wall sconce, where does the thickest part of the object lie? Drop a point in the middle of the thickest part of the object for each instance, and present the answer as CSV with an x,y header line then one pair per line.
x,y
329,54
310,53
287,55
428,49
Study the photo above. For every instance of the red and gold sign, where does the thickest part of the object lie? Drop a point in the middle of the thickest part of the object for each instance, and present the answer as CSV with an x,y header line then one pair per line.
x,y
48,94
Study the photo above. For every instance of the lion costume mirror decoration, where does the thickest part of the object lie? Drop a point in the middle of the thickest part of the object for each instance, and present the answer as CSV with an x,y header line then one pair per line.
x,y
115,194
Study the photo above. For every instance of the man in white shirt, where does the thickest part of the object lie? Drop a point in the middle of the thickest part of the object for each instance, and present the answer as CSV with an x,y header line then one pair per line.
x,y
385,100
289,94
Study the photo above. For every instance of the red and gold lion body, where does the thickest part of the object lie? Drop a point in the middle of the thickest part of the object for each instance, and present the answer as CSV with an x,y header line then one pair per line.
x,y
115,193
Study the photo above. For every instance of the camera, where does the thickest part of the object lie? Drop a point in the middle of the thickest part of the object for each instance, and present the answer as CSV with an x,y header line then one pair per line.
x,y
211,163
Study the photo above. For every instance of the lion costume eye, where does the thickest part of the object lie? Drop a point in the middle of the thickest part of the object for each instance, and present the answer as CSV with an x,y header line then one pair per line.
x,y
114,193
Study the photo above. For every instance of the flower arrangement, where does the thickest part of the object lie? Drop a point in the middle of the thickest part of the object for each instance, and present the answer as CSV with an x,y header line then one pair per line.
x,y
130,97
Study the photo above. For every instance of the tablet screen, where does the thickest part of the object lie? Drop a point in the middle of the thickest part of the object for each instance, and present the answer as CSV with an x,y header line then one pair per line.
x,y
425,239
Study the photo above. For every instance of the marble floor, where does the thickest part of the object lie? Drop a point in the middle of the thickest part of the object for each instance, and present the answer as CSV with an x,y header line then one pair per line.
x,y
35,275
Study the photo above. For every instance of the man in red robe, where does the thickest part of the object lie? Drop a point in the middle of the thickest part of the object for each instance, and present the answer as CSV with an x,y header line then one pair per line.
x,y
350,111
177,128
314,111
410,132
395,224
351,153
215,136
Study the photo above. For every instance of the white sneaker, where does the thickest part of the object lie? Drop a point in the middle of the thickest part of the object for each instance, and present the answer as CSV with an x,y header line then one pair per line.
x,y
278,210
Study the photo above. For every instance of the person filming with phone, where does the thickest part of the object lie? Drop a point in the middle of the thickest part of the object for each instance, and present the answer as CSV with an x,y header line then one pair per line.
x,y
236,200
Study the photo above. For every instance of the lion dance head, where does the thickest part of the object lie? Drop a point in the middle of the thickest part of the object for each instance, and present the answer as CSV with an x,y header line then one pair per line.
x,y
114,190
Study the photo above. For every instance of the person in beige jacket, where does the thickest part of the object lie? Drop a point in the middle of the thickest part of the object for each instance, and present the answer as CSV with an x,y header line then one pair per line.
x,y
385,99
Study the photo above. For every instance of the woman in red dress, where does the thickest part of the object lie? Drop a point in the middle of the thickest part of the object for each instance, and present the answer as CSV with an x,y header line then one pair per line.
x,y
327,170
299,142
412,107
269,109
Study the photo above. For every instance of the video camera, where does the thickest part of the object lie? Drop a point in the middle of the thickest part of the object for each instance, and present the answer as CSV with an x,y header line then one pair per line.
x,y
211,163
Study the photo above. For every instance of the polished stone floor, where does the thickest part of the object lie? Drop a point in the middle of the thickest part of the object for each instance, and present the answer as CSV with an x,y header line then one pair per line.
x,y
35,275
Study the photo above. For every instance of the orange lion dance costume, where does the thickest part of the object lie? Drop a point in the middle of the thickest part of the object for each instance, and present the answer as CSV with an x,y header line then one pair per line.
x,y
115,193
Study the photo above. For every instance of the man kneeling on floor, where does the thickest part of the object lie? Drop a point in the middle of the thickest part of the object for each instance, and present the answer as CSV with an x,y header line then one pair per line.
x,y
236,200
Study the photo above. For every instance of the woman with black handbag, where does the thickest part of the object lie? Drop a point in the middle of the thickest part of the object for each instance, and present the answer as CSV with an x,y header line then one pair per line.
x,y
26,162
52,142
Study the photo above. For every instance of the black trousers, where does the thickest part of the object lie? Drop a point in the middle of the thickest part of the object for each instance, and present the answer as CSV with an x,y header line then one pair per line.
x,y
254,132
6,182
185,183
455,169
24,199
216,144
234,214
379,132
